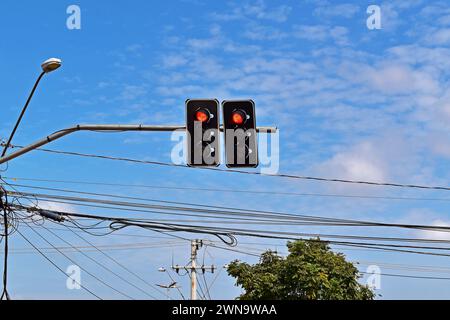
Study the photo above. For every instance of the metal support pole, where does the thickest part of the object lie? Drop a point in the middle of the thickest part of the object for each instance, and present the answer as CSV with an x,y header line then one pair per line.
x,y
104,128
22,113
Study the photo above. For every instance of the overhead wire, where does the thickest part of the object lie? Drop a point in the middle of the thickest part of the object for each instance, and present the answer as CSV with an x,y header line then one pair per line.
x,y
290,176
214,190
104,266
56,266
408,276
377,244
203,274
101,264
121,265
82,268
177,287
120,223
238,211
235,210
164,225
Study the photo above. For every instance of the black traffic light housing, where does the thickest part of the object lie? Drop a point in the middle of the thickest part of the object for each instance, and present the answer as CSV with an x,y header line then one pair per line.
x,y
202,129
241,142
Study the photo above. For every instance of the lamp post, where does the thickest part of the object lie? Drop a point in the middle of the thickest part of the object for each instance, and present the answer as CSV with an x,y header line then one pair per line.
x,y
48,66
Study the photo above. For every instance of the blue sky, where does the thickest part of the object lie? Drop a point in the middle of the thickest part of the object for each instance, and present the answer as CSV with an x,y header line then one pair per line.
x,y
350,103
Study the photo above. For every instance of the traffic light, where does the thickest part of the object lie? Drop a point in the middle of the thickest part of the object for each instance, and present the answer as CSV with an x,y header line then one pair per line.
x,y
202,130
241,145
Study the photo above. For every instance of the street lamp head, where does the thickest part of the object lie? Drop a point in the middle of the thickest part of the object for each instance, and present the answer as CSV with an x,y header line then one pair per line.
x,y
51,65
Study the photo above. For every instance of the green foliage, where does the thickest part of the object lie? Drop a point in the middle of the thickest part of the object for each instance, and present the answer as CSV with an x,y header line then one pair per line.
x,y
311,271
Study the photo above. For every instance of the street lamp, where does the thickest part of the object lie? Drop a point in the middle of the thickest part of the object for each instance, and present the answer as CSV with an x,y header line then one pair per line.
x,y
51,65
47,66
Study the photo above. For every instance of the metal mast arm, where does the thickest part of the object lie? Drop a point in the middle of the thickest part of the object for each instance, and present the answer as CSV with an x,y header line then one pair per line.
x,y
103,128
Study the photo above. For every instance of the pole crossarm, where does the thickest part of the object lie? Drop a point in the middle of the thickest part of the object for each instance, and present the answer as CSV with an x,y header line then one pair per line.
x,y
199,268
106,128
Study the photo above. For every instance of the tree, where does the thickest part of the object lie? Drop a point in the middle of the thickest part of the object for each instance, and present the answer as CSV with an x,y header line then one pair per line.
x,y
311,271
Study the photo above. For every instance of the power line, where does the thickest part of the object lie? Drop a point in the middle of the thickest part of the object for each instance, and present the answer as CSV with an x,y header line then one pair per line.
x,y
177,287
408,276
113,234
410,267
119,223
236,211
74,262
383,274
125,247
406,268
55,265
117,262
203,274
257,192
289,176
100,264
362,272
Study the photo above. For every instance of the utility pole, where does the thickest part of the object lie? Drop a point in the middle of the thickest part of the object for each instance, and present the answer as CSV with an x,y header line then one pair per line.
x,y
194,249
193,268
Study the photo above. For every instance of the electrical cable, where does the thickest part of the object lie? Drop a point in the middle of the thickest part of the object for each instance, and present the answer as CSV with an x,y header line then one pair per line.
x,y
177,287
290,176
117,262
56,266
203,274
100,264
322,220
257,192
408,276
120,223
84,269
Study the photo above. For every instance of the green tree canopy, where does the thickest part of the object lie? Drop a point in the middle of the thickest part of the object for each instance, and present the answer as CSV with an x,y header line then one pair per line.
x,y
311,271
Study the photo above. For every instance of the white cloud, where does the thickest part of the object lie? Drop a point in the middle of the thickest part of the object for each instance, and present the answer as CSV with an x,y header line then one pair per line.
x,y
131,92
420,216
321,33
262,32
391,78
257,9
440,37
173,61
260,11
436,235
440,144
445,20
311,32
55,206
362,162
345,10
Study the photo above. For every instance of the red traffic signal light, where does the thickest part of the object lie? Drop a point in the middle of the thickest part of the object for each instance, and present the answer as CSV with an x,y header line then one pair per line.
x,y
202,115
238,117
